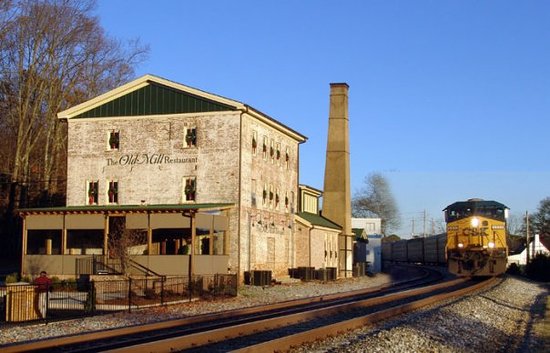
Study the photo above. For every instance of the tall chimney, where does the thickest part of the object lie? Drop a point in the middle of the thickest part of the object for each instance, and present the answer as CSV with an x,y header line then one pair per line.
x,y
337,190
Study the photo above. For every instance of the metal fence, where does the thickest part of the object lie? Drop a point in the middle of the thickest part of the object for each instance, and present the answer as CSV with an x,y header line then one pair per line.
x,y
70,299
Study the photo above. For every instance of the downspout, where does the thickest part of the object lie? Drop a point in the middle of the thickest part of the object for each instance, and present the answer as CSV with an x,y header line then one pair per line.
x,y
309,242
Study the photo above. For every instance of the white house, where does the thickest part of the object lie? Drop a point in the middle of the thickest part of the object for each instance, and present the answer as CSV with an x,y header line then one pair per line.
x,y
534,248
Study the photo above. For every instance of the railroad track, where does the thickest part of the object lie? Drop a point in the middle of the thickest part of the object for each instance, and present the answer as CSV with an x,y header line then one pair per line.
x,y
281,333
287,342
200,330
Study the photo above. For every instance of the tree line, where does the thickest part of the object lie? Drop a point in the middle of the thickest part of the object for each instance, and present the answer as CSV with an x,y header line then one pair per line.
x,y
54,54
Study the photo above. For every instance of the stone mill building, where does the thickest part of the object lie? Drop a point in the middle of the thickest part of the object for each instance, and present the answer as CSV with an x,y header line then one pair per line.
x,y
208,185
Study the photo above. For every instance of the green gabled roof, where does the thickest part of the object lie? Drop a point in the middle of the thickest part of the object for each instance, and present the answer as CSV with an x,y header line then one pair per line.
x,y
154,99
151,95
358,232
318,220
128,208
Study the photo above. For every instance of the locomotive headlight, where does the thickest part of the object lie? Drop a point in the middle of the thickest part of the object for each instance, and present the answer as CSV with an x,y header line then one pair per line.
x,y
460,245
475,222
491,245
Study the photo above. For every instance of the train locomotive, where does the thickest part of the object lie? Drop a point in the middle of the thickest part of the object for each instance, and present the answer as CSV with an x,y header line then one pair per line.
x,y
475,243
476,237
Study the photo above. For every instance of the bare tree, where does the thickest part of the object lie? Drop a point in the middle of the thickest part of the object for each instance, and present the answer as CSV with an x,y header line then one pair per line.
x,y
541,219
124,242
376,200
54,54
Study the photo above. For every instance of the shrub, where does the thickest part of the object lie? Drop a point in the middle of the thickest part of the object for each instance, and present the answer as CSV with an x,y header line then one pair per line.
x,y
12,277
514,269
150,293
539,268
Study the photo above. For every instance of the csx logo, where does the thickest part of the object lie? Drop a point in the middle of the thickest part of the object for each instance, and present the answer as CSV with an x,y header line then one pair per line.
x,y
474,231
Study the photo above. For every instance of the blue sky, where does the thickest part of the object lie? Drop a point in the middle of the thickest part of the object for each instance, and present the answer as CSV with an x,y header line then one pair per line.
x,y
448,99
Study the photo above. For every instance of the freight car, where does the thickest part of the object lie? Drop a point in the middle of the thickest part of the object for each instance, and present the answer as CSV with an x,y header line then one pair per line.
x,y
429,250
474,245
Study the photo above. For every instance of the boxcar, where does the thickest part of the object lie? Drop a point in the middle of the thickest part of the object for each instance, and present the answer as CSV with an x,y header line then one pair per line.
x,y
415,250
399,251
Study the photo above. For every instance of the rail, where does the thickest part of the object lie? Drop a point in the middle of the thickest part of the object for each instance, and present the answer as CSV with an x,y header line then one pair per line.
x,y
129,335
287,342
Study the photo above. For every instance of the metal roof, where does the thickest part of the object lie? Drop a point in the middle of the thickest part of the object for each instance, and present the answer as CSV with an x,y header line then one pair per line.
x,y
127,209
318,220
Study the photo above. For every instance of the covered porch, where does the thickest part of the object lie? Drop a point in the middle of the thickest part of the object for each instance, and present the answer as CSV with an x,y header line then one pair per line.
x,y
167,239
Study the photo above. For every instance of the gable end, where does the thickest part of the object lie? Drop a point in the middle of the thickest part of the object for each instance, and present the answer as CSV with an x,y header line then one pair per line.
x,y
154,99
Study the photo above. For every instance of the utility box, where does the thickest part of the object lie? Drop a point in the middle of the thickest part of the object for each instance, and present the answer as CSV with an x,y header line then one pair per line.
x,y
257,278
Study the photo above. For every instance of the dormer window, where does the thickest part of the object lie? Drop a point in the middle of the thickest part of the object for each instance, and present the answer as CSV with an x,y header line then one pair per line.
x,y
114,140
191,137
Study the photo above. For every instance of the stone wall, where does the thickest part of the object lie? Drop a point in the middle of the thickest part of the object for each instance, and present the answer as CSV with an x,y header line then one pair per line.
x,y
153,161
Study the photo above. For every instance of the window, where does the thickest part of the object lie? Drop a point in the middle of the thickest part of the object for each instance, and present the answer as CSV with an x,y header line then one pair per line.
x,y
92,189
272,151
270,195
112,192
277,199
191,137
278,153
253,193
190,189
264,148
264,194
287,158
114,140
254,142
286,201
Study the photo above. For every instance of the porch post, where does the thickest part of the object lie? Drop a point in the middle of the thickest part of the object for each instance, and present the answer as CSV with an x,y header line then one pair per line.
x,y
149,235
24,246
211,238
193,235
106,235
64,237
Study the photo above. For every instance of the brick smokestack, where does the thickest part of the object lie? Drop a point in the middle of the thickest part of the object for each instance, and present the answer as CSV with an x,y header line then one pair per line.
x,y
337,189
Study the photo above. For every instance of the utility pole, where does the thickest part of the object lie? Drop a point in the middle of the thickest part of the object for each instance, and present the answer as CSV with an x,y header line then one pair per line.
x,y
424,230
527,236
412,230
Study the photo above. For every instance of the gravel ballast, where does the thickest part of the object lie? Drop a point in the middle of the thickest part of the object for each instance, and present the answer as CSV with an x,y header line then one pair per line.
x,y
501,319
498,320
